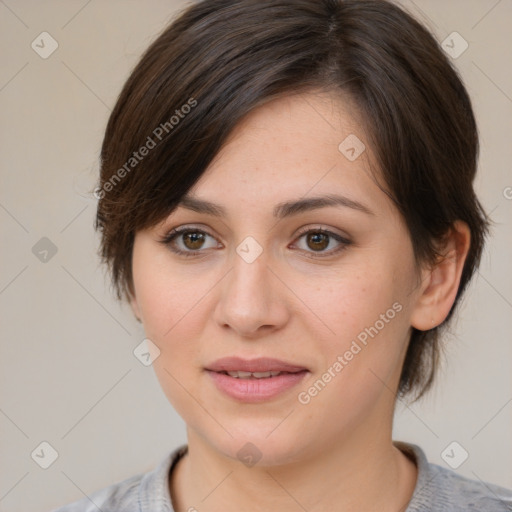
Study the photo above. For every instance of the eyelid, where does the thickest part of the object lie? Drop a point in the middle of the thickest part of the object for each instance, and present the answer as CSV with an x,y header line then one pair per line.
x,y
318,228
172,233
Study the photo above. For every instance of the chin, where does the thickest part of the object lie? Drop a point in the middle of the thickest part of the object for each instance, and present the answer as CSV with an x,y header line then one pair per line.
x,y
251,445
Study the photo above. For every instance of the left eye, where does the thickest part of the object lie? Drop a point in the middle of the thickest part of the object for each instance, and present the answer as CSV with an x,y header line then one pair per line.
x,y
319,241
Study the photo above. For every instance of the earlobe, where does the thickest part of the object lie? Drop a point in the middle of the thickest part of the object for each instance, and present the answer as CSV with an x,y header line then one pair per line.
x,y
440,282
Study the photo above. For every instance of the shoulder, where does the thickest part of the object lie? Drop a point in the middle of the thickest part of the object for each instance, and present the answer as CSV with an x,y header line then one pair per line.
x,y
444,490
119,496
464,494
139,493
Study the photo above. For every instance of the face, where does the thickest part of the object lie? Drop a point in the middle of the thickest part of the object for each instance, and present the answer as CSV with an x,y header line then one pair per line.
x,y
304,260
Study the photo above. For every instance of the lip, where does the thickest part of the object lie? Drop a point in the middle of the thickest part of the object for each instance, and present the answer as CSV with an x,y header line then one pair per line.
x,y
254,390
261,364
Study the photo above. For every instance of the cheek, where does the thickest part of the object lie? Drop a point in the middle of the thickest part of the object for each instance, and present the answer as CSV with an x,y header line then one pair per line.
x,y
361,362
353,299
172,307
173,315
169,298
364,326
173,320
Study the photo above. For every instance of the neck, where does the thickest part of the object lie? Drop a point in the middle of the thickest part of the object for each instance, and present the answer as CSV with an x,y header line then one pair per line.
x,y
365,472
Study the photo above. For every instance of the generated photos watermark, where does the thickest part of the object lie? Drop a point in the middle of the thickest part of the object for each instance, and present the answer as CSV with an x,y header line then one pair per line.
x,y
151,143
357,345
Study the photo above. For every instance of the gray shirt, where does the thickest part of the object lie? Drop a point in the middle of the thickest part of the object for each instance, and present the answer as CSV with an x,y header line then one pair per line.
x,y
437,489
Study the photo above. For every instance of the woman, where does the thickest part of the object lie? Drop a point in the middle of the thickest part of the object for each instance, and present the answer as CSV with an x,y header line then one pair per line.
x,y
286,201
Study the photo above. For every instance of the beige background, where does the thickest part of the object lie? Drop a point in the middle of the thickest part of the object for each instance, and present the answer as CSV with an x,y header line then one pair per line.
x,y
68,374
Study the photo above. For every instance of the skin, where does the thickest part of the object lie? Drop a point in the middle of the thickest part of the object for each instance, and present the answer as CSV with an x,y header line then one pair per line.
x,y
335,452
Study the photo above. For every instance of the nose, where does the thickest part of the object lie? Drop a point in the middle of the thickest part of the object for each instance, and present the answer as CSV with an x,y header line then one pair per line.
x,y
252,300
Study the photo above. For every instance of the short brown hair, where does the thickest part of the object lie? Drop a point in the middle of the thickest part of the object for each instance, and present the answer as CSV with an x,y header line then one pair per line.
x,y
220,59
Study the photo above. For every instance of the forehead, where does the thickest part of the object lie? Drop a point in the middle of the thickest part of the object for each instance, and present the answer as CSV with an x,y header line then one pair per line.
x,y
292,147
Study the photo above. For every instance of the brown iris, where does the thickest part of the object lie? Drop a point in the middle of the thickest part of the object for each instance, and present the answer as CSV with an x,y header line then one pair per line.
x,y
317,241
193,240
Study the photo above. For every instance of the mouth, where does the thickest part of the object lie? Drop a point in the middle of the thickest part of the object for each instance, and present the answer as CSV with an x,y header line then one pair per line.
x,y
254,380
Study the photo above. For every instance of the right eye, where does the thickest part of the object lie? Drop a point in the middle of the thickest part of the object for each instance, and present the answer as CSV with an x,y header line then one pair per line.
x,y
189,241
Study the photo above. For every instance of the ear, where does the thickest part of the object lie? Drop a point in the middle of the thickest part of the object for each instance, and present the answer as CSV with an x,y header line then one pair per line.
x,y
440,282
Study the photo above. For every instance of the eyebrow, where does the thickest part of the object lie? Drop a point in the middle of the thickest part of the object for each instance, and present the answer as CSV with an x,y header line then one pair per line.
x,y
281,210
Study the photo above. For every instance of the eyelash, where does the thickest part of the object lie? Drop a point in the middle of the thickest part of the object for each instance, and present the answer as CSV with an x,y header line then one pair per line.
x,y
168,239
